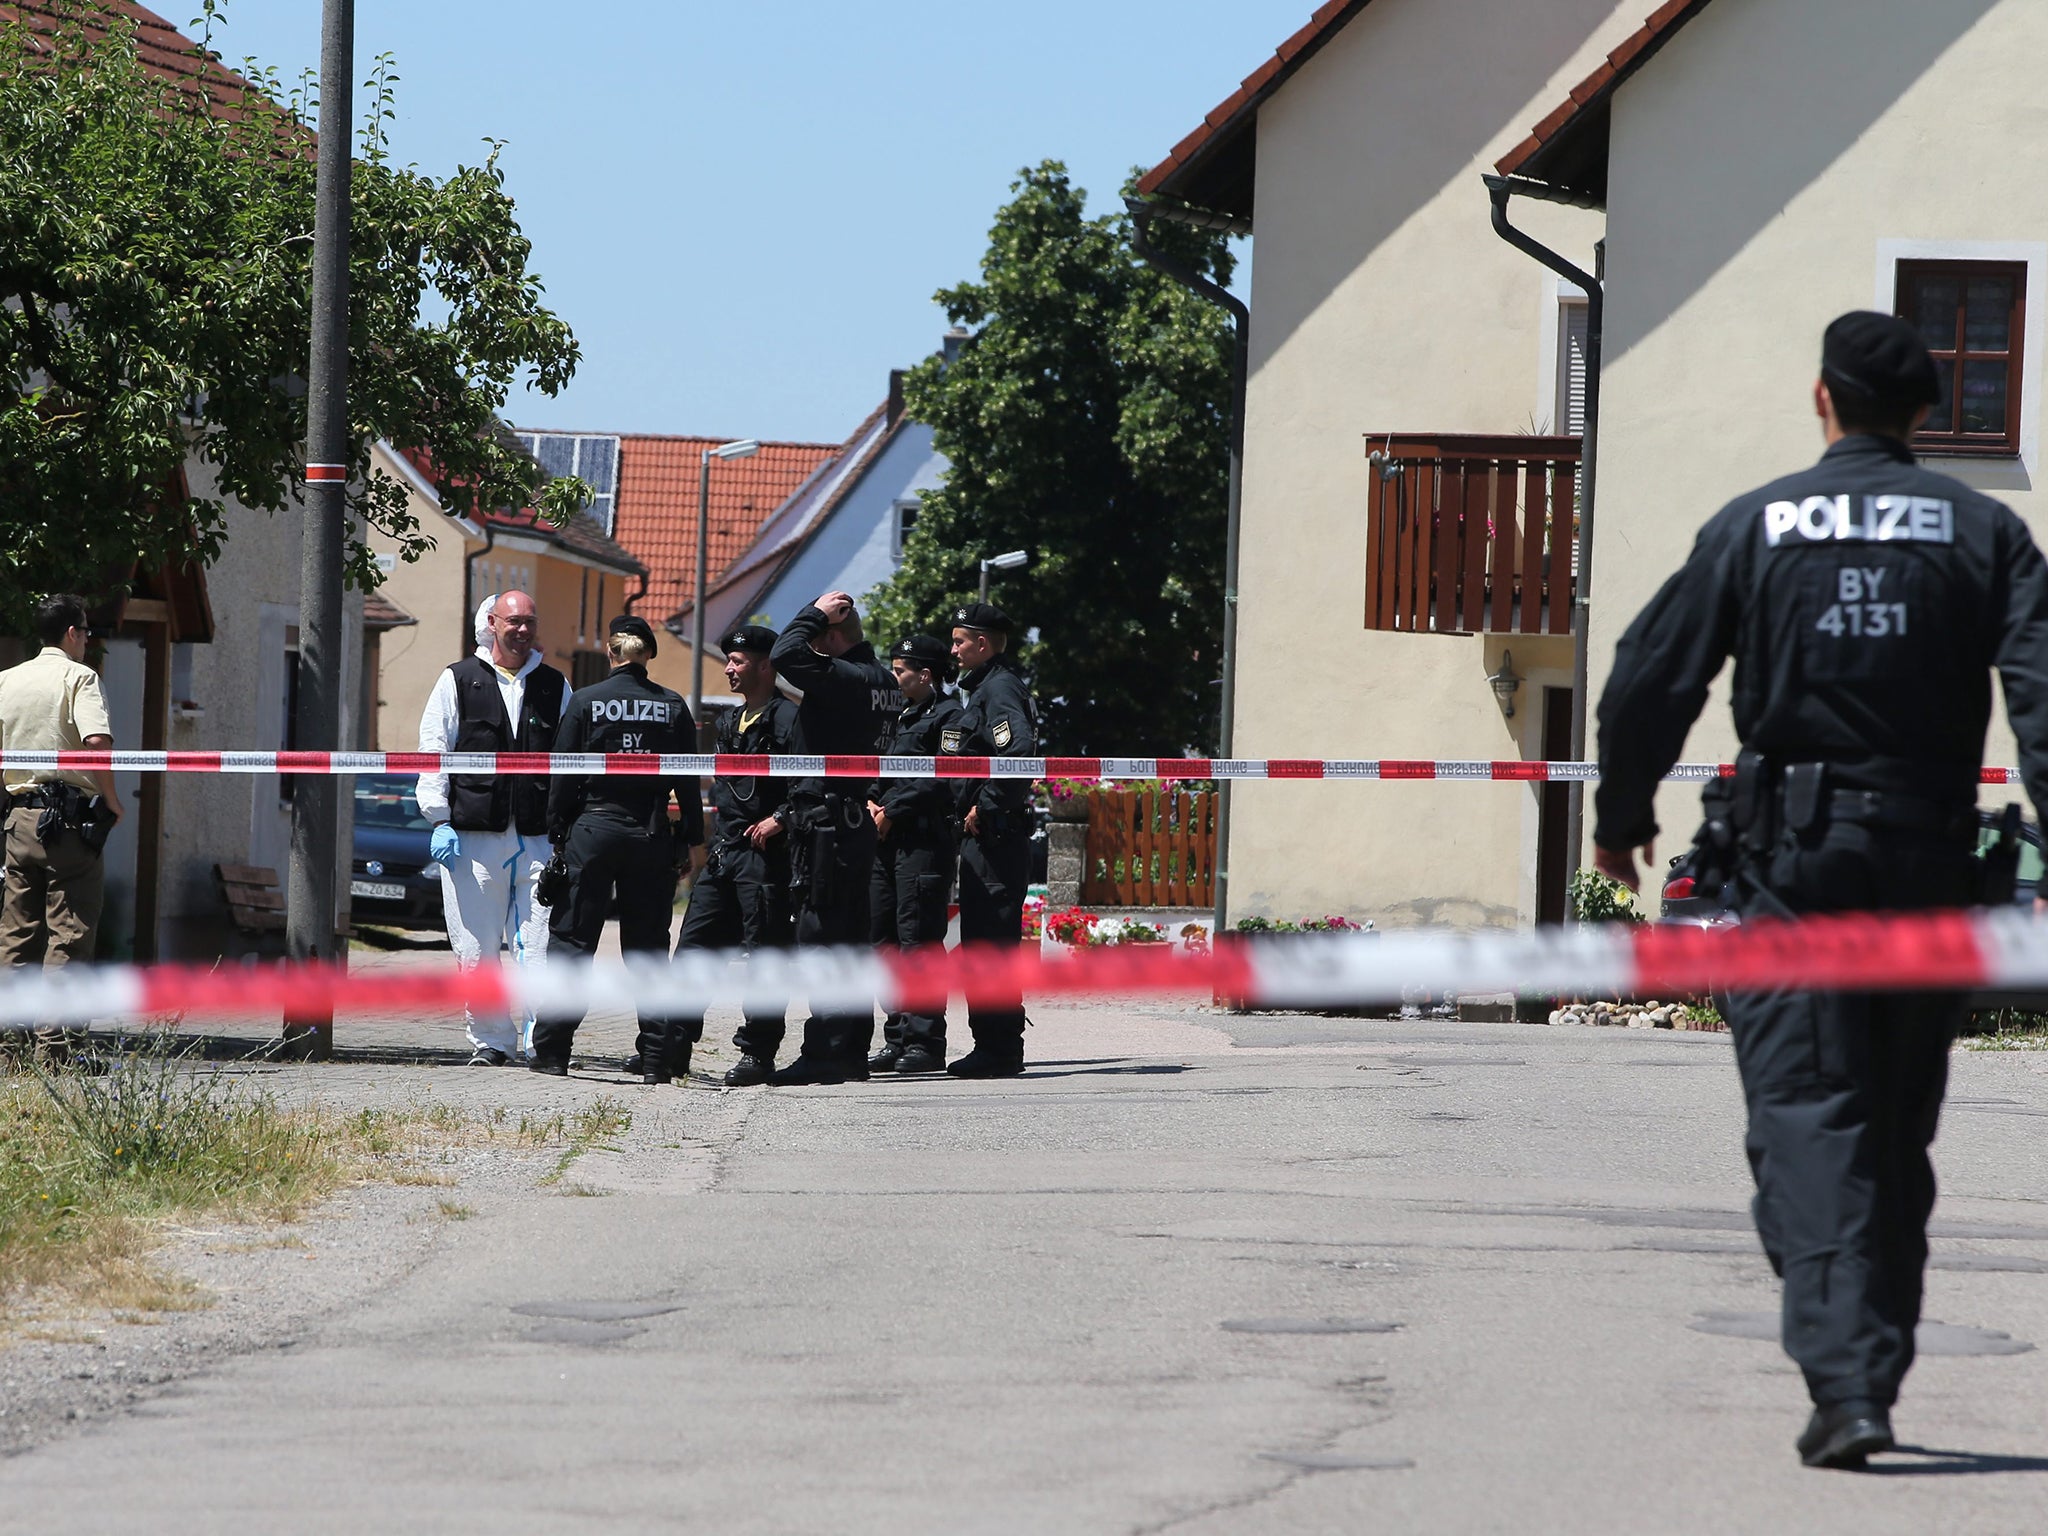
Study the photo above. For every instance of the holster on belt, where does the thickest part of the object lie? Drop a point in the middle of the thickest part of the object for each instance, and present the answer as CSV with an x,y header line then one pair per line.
x,y
814,845
67,808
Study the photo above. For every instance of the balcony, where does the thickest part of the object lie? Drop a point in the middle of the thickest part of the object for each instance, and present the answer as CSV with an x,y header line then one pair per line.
x,y
1472,535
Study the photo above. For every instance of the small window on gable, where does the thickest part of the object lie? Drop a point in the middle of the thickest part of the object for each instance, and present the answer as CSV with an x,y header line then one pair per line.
x,y
1972,316
905,520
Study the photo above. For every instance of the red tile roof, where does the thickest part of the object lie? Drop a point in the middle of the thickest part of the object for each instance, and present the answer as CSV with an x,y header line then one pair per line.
x,y
580,536
1212,166
657,506
1547,148
379,612
747,578
161,47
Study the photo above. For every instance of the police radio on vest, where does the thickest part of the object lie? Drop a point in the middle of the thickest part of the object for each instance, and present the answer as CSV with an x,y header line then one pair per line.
x,y
1887,519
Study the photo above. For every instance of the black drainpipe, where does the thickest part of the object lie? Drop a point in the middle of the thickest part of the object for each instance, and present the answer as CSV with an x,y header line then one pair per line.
x,y
469,585
1500,189
1142,213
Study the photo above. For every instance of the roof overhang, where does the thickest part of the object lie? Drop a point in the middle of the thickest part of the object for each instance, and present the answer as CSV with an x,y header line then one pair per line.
x,y
1565,156
1215,167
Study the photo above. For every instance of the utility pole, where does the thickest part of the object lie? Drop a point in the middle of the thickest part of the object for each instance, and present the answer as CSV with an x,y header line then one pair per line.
x,y
310,914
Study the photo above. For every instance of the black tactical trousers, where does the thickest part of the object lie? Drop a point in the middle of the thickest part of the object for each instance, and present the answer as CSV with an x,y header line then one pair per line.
x,y
993,878
609,857
832,910
740,901
908,897
1844,1094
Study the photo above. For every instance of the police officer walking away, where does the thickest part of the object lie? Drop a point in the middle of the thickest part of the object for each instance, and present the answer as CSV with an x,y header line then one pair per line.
x,y
490,830
916,852
1865,601
999,720
57,819
742,896
615,836
849,700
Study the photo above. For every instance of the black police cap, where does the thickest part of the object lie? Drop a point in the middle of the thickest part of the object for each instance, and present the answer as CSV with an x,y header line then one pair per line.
x,y
758,638
1880,357
983,616
927,651
633,624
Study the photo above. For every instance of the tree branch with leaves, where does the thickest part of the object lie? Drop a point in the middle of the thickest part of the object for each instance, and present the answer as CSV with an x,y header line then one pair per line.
x,y
155,306
1087,421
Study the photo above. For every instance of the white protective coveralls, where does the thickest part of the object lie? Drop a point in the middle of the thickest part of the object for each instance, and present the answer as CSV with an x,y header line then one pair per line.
x,y
487,892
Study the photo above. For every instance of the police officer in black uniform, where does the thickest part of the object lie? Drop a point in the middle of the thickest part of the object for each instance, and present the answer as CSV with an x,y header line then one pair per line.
x,y
742,896
999,720
849,701
615,835
918,849
1865,601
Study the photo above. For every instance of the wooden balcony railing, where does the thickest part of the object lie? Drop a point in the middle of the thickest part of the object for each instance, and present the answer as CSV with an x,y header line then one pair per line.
x,y
1472,534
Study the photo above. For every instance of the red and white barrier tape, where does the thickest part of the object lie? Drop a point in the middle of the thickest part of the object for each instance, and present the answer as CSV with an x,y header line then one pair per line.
x,y
1086,769
1857,952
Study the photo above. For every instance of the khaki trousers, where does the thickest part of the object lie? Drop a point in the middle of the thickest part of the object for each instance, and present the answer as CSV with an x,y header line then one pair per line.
x,y
51,911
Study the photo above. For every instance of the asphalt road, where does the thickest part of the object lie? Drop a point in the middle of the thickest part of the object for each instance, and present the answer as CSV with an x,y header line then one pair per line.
x,y
1192,1274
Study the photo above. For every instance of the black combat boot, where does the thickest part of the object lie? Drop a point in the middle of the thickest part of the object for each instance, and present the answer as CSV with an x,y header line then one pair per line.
x,y
749,1072
919,1057
678,1066
886,1058
990,1060
551,1066
1843,1434
806,1071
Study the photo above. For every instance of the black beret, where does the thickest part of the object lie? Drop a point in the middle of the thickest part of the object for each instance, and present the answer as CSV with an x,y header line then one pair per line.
x,y
982,616
1881,358
758,638
633,624
927,651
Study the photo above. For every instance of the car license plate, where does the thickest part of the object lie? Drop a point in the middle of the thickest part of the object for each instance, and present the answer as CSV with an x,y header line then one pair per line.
x,y
377,890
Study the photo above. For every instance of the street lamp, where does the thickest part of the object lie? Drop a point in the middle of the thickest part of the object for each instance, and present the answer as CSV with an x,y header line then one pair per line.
x,y
1009,562
745,448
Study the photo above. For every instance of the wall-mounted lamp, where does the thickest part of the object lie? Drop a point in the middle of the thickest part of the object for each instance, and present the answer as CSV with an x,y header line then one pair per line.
x,y
1504,683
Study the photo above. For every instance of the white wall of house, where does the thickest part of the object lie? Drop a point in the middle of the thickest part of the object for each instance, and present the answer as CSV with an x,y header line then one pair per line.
x,y
1383,302
1768,168
236,683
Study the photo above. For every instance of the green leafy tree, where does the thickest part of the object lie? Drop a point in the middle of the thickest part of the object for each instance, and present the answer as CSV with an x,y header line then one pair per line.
x,y
156,238
1086,421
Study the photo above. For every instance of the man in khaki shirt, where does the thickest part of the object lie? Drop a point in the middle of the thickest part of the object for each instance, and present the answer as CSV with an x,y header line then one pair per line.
x,y
52,702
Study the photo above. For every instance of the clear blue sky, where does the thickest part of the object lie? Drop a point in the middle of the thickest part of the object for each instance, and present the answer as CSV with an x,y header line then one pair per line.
x,y
743,209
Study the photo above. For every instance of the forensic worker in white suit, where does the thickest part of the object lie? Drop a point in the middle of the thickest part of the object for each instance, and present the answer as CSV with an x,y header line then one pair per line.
x,y
491,830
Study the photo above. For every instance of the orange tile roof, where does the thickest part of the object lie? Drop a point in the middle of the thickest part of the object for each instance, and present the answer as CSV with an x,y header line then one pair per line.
x,y
1590,97
657,506
1228,127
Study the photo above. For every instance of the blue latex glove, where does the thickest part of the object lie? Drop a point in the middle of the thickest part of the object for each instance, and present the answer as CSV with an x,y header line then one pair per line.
x,y
446,846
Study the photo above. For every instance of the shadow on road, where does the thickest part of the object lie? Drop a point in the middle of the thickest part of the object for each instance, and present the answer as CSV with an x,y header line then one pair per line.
x,y
1953,1463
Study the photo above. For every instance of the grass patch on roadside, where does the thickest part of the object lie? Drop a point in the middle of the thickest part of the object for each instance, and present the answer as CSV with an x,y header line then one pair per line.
x,y
586,1128
94,1168
2006,1029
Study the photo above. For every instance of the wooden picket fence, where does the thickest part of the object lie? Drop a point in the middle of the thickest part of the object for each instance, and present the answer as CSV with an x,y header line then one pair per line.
x,y
1150,848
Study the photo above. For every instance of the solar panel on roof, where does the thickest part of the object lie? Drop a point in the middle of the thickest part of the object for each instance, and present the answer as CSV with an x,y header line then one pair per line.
x,y
597,461
556,452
